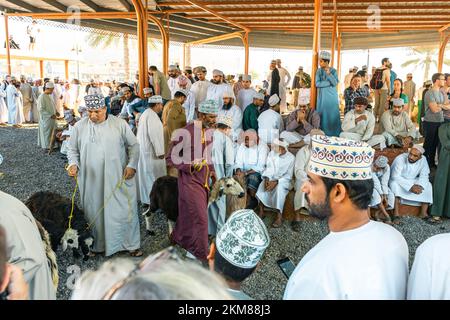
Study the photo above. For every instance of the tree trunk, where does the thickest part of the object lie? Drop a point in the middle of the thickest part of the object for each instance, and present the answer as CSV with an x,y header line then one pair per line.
x,y
126,57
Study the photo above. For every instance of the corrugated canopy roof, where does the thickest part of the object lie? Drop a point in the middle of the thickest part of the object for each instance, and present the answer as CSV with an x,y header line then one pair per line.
x,y
275,23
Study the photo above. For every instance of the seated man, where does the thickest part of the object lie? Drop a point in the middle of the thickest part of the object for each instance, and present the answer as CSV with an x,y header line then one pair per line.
x,y
410,181
382,197
65,134
277,179
270,123
251,112
240,245
251,157
300,171
397,127
299,124
358,125
140,106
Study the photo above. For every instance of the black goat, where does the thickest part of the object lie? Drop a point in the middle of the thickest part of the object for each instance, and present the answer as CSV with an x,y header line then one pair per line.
x,y
53,211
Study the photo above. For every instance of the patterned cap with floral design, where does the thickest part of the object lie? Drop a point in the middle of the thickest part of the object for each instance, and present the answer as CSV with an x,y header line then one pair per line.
x,y
341,159
243,239
94,101
209,107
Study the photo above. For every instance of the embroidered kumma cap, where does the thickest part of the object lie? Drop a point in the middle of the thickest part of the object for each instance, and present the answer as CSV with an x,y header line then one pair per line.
x,y
209,107
342,159
94,101
243,239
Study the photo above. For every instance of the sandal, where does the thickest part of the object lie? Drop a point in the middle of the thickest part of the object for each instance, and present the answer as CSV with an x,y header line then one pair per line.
x,y
277,225
295,226
136,253
396,220
93,254
433,220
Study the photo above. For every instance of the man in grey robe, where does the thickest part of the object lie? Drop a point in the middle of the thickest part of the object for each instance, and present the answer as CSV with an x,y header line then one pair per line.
x,y
27,95
47,116
103,154
25,248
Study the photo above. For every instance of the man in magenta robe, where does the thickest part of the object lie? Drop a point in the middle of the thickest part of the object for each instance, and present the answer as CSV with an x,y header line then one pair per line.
x,y
190,153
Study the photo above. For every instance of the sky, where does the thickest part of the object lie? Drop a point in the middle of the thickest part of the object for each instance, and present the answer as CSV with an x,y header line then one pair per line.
x,y
108,63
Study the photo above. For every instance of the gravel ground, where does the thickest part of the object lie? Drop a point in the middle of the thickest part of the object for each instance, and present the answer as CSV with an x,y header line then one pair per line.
x,y
27,169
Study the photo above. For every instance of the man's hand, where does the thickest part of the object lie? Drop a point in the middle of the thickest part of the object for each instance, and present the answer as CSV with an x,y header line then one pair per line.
x,y
197,164
361,118
72,171
416,189
17,287
213,176
301,116
129,173
271,185
53,116
161,157
407,142
240,174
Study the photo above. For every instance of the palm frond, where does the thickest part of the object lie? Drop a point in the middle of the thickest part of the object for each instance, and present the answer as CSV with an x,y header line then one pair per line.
x,y
410,62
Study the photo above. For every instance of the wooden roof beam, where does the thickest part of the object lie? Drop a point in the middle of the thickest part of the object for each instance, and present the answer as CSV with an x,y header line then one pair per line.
x,y
126,5
328,15
25,5
214,13
56,4
217,38
444,27
91,4
279,2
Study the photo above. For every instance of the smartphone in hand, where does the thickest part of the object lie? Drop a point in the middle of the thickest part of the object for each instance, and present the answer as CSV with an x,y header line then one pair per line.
x,y
286,266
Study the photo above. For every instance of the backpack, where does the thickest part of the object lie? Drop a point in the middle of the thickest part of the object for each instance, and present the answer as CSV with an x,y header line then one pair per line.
x,y
377,79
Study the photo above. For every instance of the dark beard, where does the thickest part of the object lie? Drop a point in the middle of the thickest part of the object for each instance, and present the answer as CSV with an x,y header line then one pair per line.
x,y
320,211
227,106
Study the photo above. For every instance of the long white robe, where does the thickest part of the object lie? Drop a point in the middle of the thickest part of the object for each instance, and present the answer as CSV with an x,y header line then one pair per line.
x,y
150,136
189,107
381,187
216,91
223,159
47,109
270,124
367,263
3,107
236,114
15,105
281,169
283,84
57,93
65,144
25,248
253,158
27,95
404,175
76,96
37,91
392,126
245,98
101,152
363,130
300,172
200,89
430,273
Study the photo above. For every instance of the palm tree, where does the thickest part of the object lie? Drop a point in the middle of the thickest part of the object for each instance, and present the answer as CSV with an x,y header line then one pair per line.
x,y
424,57
104,41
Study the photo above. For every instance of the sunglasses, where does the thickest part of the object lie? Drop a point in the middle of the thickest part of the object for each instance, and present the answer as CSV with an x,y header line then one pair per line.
x,y
149,263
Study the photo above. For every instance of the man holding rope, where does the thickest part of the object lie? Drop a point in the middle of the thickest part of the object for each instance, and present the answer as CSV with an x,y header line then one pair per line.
x,y
103,155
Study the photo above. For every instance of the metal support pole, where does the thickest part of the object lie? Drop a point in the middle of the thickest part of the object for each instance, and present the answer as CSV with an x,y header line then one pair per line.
x,y
247,51
315,51
8,53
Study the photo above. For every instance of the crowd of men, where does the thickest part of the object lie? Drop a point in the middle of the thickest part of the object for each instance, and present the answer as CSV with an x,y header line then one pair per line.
x,y
200,131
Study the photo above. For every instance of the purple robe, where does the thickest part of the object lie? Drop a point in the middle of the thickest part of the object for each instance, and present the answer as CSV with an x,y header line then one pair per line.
x,y
191,229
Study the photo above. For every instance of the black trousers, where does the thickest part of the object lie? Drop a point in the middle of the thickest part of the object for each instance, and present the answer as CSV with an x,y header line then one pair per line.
x,y
431,142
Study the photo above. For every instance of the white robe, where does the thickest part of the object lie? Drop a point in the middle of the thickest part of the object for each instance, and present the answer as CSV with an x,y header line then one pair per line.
x,y
367,263
245,98
430,273
236,114
189,107
15,105
200,89
151,145
25,248
381,187
300,172
363,130
57,93
3,107
270,124
280,168
216,91
76,96
253,158
101,152
37,91
223,159
47,109
283,84
404,175
65,144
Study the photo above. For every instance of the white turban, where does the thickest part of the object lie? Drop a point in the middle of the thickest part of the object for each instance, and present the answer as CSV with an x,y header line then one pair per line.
x,y
398,102
274,100
419,148
49,85
218,73
246,77
281,143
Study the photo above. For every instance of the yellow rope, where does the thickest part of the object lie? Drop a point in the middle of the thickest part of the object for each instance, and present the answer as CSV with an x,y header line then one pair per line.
x,y
73,203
